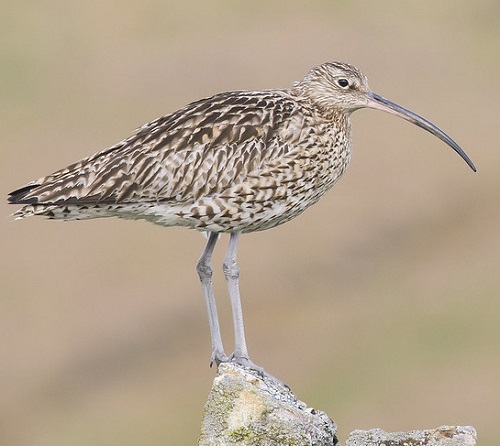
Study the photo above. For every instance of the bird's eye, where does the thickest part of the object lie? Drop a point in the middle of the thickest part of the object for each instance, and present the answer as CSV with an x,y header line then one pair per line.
x,y
344,83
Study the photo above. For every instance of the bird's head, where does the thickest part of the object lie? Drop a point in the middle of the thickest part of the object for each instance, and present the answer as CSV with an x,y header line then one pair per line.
x,y
337,87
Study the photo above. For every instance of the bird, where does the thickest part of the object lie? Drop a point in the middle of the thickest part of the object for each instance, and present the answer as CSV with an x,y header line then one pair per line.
x,y
233,163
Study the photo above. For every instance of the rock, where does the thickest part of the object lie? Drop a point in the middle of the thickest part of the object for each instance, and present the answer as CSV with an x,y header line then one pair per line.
x,y
442,436
246,409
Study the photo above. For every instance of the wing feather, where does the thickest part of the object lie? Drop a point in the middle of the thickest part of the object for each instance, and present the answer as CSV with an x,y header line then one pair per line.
x,y
197,150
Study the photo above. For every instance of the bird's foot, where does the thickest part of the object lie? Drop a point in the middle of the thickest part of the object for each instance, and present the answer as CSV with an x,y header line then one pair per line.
x,y
248,364
218,356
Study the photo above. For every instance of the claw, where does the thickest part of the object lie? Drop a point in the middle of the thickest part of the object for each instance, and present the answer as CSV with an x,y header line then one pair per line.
x,y
218,357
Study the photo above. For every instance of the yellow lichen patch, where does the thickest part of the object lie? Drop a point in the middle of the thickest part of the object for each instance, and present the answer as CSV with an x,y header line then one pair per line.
x,y
248,408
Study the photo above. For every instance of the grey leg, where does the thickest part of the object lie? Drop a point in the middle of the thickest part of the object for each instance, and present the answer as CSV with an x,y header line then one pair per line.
x,y
232,273
205,271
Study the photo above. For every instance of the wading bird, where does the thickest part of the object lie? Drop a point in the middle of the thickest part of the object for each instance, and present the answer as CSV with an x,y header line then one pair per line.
x,y
236,162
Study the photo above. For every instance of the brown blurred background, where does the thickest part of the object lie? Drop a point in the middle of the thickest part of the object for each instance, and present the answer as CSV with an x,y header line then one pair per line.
x,y
379,305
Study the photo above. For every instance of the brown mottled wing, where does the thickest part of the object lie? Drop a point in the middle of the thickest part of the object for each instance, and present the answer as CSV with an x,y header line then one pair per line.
x,y
200,149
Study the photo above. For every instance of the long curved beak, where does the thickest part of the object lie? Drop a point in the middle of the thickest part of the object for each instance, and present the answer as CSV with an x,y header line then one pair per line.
x,y
378,102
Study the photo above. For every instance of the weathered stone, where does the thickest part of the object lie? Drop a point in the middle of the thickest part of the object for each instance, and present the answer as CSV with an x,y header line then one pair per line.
x,y
442,436
246,409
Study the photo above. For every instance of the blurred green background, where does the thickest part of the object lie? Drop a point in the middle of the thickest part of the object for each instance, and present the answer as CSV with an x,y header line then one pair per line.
x,y
379,305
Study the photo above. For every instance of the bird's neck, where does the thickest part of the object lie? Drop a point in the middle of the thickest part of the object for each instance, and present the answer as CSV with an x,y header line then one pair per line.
x,y
318,108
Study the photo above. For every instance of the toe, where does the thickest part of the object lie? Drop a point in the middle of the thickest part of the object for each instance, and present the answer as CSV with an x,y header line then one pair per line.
x,y
248,364
218,357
